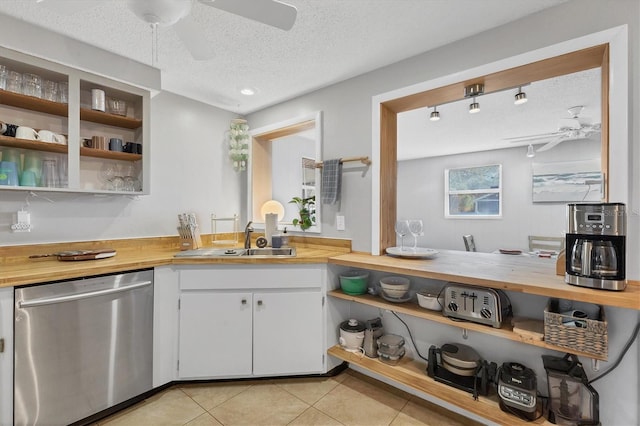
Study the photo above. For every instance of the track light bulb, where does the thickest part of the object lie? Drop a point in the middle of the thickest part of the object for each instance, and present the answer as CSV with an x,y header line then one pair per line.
x,y
474,107
521,97
435,115
530,152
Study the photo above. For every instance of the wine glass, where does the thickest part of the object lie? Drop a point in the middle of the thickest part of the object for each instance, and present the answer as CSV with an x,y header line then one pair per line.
x,y
415,228
402,229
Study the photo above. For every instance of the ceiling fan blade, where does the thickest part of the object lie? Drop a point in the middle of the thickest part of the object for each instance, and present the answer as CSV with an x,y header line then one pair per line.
x,y
534,137
269,12
189,32
550,145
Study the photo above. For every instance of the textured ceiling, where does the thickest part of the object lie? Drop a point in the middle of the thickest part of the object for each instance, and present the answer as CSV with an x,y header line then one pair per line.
x,y
332,40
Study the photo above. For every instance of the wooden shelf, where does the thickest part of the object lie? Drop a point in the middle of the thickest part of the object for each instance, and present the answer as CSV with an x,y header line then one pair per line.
x,y
31,144
413,309
522,274
56,108
34,104
109,119
110,155
413,374
62,149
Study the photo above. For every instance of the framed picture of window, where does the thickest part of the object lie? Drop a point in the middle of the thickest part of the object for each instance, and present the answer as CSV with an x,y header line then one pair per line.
x,y
473,192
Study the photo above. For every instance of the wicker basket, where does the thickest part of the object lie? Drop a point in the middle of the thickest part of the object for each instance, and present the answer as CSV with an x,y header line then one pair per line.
x,y
591,338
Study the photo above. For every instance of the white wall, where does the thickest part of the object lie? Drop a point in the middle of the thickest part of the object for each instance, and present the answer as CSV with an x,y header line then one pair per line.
x,y
421,196
190,171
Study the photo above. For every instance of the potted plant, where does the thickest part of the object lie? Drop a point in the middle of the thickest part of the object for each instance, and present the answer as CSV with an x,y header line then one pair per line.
x,y
306,210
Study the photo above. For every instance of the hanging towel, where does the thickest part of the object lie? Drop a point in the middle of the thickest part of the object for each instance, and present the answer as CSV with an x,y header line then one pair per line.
x,y
331,181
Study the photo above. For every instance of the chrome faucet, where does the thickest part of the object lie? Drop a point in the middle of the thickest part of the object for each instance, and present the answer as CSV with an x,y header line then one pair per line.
x,y
247,235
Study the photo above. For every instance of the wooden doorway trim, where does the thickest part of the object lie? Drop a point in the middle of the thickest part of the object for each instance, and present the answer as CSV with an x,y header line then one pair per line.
x,y
580,60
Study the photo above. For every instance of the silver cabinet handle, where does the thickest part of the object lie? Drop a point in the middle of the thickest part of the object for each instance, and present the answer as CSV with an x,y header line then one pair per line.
x,y
72,297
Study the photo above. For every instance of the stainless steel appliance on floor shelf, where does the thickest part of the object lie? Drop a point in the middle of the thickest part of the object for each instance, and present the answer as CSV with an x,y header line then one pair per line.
x,y
81,346
596,244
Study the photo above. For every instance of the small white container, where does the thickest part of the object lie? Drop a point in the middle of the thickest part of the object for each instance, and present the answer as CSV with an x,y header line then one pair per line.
x,y
395,283
98,100
430,301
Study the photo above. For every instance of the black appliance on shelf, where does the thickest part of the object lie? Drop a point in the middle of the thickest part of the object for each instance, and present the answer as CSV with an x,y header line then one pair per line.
x,y
460,366
517,390
596,245
572,400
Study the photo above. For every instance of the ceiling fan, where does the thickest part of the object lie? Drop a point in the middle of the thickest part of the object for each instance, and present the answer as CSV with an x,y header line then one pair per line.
x,y
177,15
569,129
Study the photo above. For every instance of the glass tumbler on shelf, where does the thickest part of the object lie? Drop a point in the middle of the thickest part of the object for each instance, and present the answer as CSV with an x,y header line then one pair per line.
x,y
63,92
4,71
50,90
14,82
49,177
32,85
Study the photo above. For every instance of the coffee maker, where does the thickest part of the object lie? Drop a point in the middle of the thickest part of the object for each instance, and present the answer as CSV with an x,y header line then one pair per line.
x,y
596,244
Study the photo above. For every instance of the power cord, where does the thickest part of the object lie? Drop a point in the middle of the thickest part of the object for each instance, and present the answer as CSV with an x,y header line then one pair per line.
x,y
410,336
624,352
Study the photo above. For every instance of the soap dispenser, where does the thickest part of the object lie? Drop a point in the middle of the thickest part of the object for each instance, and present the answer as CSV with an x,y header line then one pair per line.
x,y
284,238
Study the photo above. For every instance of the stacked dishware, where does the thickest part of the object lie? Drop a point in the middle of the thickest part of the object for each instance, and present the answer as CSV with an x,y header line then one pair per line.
x,y
390,348
395,289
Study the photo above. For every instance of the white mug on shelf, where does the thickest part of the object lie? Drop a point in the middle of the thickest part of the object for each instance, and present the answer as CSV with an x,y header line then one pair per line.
x,y
49,136
24,132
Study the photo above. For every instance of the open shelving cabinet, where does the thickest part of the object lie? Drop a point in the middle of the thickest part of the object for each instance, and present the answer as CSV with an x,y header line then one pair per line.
x,y
413,374
77,121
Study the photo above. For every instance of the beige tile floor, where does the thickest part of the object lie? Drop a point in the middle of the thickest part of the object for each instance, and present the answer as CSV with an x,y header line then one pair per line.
x,y
349,398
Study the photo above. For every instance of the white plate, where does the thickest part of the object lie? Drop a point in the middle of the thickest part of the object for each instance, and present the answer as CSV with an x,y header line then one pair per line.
x,y
418,253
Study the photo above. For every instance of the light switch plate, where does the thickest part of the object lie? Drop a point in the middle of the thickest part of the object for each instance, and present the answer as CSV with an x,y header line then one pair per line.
x,y
340,225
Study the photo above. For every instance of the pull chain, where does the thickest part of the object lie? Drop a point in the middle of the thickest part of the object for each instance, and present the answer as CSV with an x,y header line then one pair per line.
x,y
154,45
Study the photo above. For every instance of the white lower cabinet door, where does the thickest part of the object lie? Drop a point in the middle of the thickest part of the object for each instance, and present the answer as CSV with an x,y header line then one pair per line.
x,y
215,334
287,333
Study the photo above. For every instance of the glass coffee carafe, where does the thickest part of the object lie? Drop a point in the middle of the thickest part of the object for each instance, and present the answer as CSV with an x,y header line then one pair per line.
x,y
594,258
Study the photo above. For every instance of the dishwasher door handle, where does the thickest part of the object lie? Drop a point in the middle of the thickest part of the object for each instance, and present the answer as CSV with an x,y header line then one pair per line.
x,y
72,297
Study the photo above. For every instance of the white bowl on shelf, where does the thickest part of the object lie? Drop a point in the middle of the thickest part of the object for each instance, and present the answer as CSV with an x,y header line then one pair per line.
x,y
395,283
430,301
393,293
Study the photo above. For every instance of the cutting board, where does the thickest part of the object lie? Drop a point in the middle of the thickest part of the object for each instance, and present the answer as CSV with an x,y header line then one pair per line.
x,y
73,255
530,329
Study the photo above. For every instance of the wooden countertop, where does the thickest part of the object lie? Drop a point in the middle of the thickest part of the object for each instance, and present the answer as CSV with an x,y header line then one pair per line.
x,y
17,269
526,274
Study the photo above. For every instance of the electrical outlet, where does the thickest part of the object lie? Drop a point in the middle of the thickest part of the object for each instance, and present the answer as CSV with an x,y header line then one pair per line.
x,y
340,225
23,222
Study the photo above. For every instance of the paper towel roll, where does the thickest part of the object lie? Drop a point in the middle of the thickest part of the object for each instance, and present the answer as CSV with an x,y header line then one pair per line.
x,y
270,226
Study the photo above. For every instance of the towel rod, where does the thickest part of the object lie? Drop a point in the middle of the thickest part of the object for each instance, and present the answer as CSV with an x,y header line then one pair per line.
x,y
363,160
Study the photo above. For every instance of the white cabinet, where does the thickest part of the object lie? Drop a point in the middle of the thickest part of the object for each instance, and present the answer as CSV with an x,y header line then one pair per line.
x,y
215,334
6,356
80,167
258,320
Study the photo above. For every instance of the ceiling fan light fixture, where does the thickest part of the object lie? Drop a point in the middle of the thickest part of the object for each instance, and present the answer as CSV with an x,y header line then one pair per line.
x,y
521,97
435,115
530,152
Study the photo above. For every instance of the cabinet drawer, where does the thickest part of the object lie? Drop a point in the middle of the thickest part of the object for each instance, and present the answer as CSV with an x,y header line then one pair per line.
x,y
252,277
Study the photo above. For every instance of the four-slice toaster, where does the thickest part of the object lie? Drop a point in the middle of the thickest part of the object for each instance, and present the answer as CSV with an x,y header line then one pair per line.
x,y
477,304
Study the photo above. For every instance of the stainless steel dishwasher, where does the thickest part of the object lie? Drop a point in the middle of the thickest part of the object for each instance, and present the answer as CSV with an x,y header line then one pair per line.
x,y
81,346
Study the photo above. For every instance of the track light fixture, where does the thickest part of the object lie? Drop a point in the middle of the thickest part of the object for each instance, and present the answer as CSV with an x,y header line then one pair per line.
x,y
435,115
472,91
521,97
530,152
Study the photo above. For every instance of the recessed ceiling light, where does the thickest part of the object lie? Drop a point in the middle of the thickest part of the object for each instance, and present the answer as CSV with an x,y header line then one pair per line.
x,y
248,91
